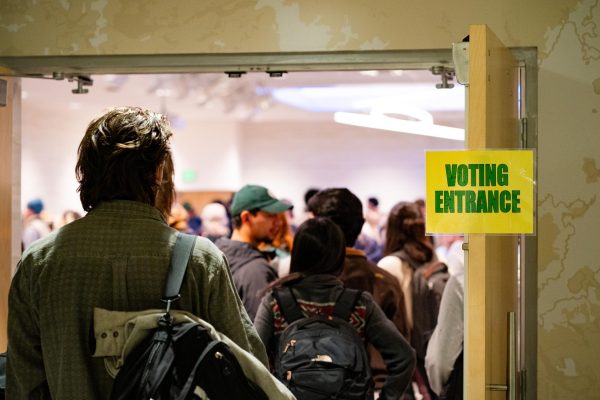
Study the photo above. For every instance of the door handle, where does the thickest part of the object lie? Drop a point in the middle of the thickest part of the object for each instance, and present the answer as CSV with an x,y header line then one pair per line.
x,y
511,386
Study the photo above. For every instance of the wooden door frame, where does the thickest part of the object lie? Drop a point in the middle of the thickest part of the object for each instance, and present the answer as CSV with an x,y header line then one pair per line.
x,y
10,193
59,67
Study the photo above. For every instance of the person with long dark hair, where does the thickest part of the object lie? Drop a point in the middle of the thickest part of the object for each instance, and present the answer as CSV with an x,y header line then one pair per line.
x,y
406,249
411,258
318,255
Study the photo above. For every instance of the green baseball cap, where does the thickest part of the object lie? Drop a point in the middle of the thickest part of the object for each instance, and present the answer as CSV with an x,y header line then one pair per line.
x,y
255,197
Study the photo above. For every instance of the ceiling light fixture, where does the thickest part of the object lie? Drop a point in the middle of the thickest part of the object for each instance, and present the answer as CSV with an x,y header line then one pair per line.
x,y
391,105
370,73
420,124
362,97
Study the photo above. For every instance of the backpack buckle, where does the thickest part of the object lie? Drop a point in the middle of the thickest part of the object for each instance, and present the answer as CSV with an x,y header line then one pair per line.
x,y
166,320
170,300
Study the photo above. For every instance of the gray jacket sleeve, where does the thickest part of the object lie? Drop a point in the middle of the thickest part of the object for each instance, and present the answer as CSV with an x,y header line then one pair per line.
x,y
251,282
399,357
228,315
264,321
446,343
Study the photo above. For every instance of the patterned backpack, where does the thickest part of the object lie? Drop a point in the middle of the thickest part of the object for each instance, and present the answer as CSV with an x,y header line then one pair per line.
x,y
322,357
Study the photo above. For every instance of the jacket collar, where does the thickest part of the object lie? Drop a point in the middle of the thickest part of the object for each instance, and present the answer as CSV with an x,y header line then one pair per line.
x,y
132,209
319,280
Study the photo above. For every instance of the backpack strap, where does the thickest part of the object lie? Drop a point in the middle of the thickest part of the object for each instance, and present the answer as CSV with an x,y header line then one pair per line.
x,y
288,304
345,303
401,254
433,268
182,252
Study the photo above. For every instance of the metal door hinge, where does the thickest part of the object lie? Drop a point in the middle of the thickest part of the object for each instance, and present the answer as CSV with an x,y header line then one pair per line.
x,y
523,383
497,388
460,56
511,380
523,132
3,93
447,74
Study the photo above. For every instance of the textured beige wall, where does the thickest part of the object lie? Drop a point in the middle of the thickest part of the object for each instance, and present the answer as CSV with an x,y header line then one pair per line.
x,y
566,33
569,207
59,27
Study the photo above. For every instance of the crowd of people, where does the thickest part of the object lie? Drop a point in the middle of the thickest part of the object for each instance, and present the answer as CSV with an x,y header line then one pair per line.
x,y
408,313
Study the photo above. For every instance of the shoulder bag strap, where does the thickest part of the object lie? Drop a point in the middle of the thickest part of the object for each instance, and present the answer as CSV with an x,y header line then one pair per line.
x,y
288,304
182,252
433,268
401,254
346,303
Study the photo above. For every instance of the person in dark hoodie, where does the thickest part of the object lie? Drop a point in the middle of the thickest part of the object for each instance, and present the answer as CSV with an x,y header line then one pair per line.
x,y
345,209
254,212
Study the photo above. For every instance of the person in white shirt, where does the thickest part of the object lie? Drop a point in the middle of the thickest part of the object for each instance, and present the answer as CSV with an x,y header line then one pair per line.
x,y
446,343
450,252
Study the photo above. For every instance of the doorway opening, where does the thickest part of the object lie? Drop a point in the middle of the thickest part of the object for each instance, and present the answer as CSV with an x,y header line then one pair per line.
x,y
384,61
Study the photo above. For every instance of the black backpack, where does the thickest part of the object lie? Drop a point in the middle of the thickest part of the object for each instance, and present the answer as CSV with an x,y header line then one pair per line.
x,y
322,357
182,361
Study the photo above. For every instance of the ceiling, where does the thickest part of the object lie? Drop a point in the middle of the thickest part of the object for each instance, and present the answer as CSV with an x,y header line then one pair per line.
x,y
279,122
253,97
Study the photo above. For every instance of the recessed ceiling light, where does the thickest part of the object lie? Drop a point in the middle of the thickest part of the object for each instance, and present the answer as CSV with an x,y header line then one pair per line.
x,y
164,92
370,73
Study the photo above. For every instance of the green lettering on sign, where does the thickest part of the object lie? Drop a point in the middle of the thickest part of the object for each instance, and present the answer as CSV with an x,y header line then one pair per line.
x,y
477,202
470,198
438,201
516,201
451,174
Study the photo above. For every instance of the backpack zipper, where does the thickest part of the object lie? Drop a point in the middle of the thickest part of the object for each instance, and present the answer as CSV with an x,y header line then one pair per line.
x,y
291,343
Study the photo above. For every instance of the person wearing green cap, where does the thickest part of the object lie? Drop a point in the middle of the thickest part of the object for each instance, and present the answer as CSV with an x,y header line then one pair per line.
x,y
254,212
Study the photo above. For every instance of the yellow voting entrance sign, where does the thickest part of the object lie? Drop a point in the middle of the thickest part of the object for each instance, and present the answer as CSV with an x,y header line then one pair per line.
x,y
486,191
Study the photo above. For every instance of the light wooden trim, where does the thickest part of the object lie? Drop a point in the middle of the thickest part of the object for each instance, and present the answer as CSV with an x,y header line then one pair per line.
x,y
491,281
10,196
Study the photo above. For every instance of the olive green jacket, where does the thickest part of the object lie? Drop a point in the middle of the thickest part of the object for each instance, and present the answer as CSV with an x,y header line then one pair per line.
x,y
119,333
116,258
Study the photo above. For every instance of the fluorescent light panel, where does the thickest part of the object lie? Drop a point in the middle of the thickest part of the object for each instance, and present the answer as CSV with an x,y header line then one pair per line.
x,y
380,121
348,97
